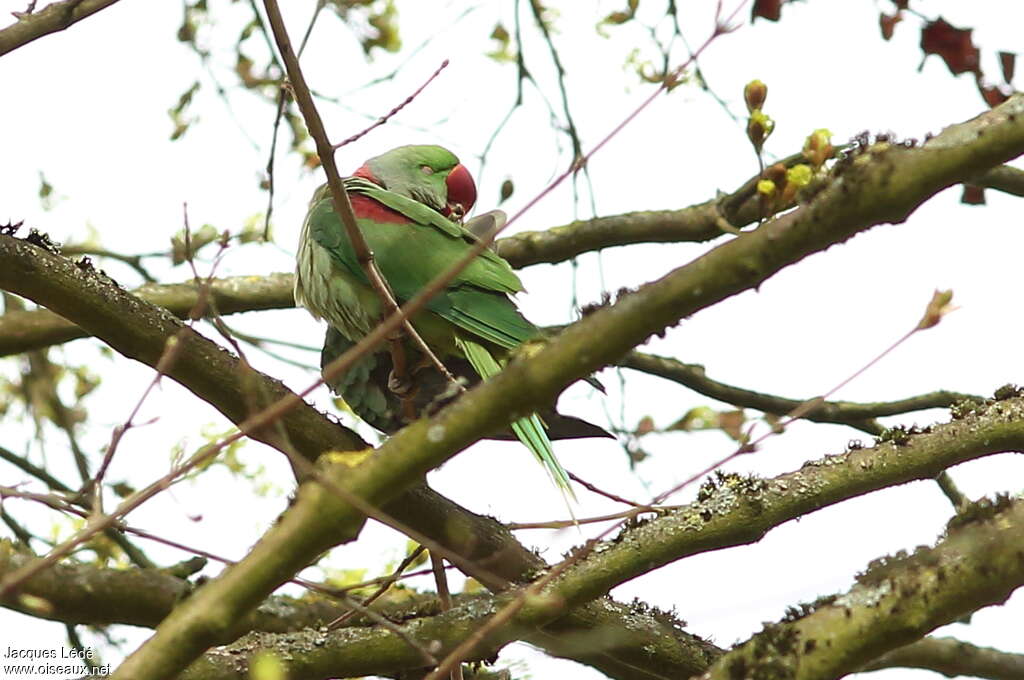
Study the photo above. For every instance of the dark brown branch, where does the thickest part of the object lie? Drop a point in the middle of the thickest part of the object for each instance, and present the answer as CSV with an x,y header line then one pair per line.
x,y
54,17
854,414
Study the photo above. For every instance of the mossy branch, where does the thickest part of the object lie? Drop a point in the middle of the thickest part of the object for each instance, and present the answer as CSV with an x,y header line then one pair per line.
x,y
855,414
953,658
896,601
884,183
139,329
22,331
54,17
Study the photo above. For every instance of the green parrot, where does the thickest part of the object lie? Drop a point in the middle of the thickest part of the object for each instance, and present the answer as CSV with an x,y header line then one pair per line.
x,y
409,204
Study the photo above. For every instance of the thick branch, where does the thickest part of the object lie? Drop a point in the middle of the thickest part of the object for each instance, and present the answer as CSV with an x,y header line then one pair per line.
x,y
894,602
735,511
138,329
953,658
882,183
21,331
698,223
738,510
54,17
858,415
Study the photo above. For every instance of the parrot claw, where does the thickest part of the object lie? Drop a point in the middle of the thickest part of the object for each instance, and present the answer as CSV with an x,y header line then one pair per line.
x,y
403,386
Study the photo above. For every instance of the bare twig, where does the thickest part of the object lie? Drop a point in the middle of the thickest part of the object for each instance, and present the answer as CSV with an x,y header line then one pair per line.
x,y
601,492
747,446
390,114
170,354
445,597
384,585
384,622
566,523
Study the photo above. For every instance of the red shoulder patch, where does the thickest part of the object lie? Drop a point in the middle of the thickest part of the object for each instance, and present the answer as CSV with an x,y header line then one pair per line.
x,y
366,208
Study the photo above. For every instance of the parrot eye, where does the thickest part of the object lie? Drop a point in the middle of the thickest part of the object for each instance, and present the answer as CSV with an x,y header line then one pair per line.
x,y
427,170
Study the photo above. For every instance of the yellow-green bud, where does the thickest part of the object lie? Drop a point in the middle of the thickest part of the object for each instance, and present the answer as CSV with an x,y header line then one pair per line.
x,y
818,147
759,127
799,175
754,95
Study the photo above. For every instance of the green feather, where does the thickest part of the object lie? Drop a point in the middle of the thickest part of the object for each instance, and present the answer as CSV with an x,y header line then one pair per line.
x,y
472,315
530,430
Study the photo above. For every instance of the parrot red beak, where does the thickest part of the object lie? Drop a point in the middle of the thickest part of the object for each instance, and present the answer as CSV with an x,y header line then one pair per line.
x,y
461,192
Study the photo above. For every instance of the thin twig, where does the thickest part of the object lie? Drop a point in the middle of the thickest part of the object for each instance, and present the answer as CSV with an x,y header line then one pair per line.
x,y
388,581
445,597
601,492
806,407
384,622
566,523
170,354
390,114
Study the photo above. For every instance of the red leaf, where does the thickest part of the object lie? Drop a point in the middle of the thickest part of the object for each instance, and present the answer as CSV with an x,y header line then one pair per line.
x,y
901,4
992,95
973,195
954,45
1007,61
767,9
888,23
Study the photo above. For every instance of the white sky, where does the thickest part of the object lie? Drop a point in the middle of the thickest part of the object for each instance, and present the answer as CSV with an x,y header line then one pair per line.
x,y
88,108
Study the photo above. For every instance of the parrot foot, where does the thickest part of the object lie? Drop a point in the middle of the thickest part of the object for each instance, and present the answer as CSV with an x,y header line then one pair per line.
x,y
403,386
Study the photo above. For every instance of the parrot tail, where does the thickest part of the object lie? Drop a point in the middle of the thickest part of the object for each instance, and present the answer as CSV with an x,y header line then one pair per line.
x,y
529,430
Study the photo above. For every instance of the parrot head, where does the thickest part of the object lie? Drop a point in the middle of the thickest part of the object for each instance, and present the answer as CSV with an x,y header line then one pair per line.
x,y
429,174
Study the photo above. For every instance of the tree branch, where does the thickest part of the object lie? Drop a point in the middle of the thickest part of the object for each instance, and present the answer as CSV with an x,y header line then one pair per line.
x,y
21,331
895,601
882,183
139,330
737,510
953,658
858,415
1005,178
54,17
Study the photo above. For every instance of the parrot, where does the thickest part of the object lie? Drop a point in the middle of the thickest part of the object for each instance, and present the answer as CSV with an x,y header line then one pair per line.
x,y
409,204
